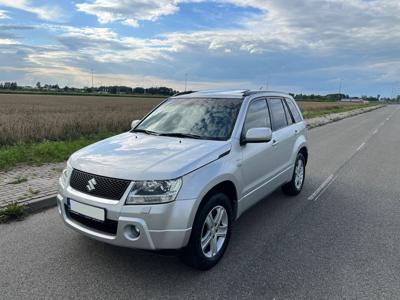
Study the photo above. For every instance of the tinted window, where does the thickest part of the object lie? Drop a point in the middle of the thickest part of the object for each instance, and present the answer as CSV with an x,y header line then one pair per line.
x,y
278,114
204,118
288,115
257,115
295,112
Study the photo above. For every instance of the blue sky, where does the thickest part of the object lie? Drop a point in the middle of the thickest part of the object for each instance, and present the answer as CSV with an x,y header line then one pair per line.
x,y
291,45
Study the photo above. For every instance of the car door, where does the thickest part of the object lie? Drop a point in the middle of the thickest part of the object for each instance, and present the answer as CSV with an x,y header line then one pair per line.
x,y
257,165
282,137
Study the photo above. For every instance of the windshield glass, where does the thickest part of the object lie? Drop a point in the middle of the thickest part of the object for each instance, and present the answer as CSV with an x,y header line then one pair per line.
x,y
193,118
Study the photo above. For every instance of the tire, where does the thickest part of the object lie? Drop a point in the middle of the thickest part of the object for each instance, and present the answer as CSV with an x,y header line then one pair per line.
x,y
294,187
194,255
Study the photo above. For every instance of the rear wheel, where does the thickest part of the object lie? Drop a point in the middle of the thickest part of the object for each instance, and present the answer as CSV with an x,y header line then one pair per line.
x,y
295,186
210,233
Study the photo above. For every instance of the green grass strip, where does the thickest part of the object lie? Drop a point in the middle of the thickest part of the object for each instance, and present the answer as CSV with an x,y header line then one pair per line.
x,y
308,114
44,152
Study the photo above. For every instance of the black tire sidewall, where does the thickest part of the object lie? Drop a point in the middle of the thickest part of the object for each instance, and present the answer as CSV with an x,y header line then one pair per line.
x,y
299,157
199,260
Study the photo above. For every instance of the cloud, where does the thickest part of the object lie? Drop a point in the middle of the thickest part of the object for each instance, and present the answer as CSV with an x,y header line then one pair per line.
x,y
298,45
8,42
128,11
46,12
3,15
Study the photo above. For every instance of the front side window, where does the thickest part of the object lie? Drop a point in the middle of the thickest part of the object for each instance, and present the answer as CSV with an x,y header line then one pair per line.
x,y
199,118
278,114
257,115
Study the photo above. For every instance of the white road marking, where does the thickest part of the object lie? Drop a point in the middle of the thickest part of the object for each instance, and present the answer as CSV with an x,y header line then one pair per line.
x,y
321,187
360,147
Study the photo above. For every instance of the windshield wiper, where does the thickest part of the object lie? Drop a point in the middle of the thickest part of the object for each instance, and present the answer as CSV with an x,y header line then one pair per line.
x,y
146,131
182,135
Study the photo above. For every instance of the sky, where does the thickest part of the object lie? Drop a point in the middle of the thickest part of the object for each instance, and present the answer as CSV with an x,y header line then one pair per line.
x,y
309,46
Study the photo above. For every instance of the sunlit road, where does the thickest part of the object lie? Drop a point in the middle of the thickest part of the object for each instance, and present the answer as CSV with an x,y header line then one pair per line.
x,y
339,238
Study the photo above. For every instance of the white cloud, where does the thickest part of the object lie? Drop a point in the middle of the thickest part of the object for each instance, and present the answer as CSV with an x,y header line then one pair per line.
x,y
8,42
131,22
128,11
47,12
3,15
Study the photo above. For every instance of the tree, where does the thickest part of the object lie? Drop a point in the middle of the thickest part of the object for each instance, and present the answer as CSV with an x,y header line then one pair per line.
x,y
38,86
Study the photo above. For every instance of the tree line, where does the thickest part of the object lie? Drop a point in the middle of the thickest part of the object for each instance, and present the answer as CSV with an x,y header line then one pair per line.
x,y
114,89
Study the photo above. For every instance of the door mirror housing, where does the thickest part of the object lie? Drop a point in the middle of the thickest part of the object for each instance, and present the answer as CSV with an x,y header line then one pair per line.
x,y
134,123
257,135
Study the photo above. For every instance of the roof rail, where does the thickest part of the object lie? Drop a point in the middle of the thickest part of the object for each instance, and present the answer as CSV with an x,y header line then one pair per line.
x,y
249,93
183,93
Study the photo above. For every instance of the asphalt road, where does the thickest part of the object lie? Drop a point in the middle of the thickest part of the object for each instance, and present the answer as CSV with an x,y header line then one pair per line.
x,y
338,239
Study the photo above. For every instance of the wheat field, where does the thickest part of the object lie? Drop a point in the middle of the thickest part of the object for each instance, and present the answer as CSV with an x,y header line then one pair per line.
x,y
28,118
34,118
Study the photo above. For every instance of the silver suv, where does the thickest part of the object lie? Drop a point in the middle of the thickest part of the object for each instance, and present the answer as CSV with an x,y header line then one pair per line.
x,y
185,172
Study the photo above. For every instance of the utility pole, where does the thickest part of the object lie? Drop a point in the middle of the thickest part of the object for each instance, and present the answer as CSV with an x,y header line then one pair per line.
x,y
340,87
91,70
393,96
186,77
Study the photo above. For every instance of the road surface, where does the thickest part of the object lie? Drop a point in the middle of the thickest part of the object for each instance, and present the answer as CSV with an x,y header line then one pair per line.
x,y
339,238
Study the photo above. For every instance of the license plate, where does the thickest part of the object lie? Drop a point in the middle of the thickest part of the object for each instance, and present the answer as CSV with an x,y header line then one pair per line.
x,y
92,212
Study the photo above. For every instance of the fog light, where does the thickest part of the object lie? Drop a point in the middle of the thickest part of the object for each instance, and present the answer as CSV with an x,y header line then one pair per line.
x,y
132,232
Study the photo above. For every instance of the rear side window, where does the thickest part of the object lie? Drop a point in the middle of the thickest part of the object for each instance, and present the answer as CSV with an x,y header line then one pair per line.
x,y
278,114
257,115
288,115
295,112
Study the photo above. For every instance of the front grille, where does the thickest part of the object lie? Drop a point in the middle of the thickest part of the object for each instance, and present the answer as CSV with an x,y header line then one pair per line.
x,y
103,187
108,226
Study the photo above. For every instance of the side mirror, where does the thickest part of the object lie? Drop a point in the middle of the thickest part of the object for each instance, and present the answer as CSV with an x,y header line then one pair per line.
x,y
134,123
257,135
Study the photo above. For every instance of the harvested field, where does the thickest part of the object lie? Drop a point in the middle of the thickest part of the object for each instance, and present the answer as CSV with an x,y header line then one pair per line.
x,y
34,118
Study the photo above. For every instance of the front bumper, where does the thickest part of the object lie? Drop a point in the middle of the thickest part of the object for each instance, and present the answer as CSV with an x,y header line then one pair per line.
x,y
161,226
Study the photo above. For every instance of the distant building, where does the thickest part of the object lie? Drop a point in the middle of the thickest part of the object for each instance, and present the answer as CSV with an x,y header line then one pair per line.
x,y
354,99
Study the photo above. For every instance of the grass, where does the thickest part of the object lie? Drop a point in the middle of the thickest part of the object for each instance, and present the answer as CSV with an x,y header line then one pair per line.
x,y
18,180
12,211
316,112
44,152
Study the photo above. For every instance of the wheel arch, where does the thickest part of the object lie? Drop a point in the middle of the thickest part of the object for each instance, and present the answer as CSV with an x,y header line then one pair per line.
x,y
303,150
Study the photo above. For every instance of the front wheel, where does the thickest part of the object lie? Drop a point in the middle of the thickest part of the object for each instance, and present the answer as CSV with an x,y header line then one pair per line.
x,y
210,233
294,187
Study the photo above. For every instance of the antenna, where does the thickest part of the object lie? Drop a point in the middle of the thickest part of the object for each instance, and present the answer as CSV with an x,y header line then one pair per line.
x,y
186,77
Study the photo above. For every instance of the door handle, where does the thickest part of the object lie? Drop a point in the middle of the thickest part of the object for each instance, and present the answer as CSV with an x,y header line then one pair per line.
x,y
275,142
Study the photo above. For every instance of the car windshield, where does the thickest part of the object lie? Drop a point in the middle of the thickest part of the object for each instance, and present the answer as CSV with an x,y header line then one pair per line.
x,y
193,118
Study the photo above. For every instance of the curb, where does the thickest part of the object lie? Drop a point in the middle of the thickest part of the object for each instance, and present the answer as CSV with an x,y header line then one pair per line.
x,y
39,204
327,119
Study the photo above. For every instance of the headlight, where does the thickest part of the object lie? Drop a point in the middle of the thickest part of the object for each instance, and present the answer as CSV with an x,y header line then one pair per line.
x,y
66,173
154,191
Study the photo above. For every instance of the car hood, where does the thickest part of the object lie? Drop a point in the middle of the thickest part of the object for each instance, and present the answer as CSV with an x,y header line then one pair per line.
x,y
138,156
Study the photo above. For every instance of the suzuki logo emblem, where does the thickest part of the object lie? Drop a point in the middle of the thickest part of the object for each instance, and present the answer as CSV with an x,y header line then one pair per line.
x,y
91,185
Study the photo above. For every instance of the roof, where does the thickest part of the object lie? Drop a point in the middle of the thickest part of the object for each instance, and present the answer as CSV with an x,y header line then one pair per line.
x,y
227,94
